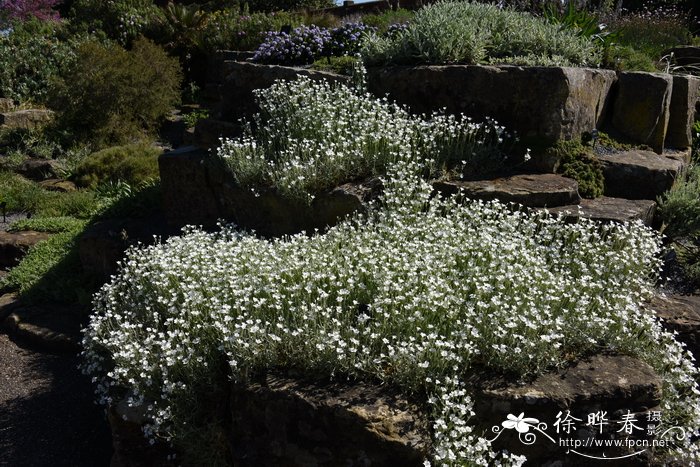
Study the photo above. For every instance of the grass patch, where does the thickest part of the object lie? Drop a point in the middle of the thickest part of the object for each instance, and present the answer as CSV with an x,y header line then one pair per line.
x,y
48,224
132,164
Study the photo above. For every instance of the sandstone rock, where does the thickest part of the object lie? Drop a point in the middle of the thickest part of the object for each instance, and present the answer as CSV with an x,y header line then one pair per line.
x,y
550,103
686,91
538,190
681,313
14,245
40,169
8,303
241,78
57,184
27,119
131,448
284,421
610,210
196,190
685,55
613,384
208,131
641,109
638,174
6,105
103,244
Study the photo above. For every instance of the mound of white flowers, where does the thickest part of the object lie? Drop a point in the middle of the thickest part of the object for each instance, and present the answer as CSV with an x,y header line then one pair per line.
x,y
414,294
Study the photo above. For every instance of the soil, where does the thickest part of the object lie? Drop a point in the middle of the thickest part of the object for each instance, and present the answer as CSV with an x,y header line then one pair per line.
x,y
47,417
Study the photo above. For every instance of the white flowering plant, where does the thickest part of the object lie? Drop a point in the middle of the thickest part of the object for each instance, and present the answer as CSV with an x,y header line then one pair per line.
x,y
414,294
311,136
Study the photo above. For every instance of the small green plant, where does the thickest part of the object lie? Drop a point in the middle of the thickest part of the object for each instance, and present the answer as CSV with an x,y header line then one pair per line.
x,y
341,65
133,164
120,20
383,21
47,224
112,96
578,161
680,206
191,118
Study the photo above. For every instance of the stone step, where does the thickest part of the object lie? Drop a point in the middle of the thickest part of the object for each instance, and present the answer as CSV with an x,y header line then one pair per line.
x,y
538,190
610,210
681,313
638,174
14,245
614,384
26,119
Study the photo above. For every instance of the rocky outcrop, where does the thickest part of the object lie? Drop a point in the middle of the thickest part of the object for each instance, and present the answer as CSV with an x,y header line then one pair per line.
x,y
198,190
14,245
26,119
59,185
284,421
539,190
613,384
641,109
552,103
6,105
40,169
681,314
638,174
607,209
686,91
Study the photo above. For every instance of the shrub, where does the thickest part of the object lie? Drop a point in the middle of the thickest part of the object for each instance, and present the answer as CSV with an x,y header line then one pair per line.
x,y
47,224
363,302
25,9
133,164
347,39
312,136
300,47
31,55
121,20
578,161
111,96
19,194
341,65
230,29
680,206
387,20
462,32
287,5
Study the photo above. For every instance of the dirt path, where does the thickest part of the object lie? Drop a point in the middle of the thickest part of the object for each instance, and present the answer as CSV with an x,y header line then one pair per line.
x,y
47,417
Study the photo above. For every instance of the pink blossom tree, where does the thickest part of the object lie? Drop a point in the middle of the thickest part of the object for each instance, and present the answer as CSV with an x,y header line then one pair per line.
x,y
25,9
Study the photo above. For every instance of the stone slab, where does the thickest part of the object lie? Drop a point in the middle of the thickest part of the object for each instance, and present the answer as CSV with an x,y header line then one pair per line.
x,y
14,245
607,209
26,119
681,313
550,103
537,190
638,174
686,90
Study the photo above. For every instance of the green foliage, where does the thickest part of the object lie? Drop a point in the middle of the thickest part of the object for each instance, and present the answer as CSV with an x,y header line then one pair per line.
x,y
577,161
31,55
341,65
112,96
182,27
286,5
48,224
51,271
191,118
461,32
680,206
19,193
133,164
121,20
383,20
230,29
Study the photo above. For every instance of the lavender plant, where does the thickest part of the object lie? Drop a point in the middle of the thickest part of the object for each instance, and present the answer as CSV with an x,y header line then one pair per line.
x,y
300,47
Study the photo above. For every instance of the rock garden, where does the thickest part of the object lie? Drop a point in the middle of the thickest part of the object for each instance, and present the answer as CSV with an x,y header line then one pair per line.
x,y
388,233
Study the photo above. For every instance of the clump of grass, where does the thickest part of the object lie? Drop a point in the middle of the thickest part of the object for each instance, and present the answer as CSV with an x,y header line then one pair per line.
x,y
341,65
47,224
312,136
680,206
473,33
577,161
132,164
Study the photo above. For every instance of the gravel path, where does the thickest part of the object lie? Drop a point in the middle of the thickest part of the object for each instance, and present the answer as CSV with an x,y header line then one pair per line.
x,y
47,417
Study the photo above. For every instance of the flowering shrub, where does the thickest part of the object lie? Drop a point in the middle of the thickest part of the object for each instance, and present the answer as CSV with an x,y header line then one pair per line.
x,y
25,9
311,136
300,47
122,20
465,32
413,294
347,39
229,29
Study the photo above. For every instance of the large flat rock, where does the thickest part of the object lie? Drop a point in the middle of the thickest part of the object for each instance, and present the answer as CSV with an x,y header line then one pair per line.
x,y
14,245
27,119
642,107
607,209
638,174
681,313
537,190
550,103
614,384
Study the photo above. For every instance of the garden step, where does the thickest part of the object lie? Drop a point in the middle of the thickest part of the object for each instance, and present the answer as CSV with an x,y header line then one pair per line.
x,y
14,245
538,190
681,314
638,174
25,119
610,210
614,384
